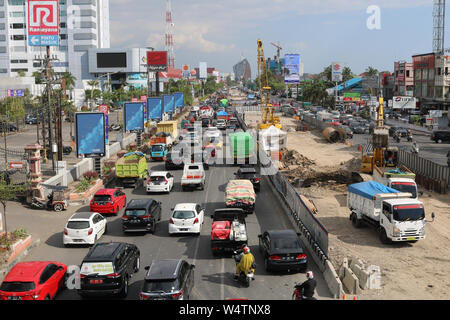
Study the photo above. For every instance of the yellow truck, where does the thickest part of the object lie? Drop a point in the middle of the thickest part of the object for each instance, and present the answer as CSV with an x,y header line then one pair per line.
x,y
131,170
170,127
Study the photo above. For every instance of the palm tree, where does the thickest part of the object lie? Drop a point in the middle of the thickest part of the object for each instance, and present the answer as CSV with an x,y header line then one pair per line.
x,y
70,82
371,71
93,84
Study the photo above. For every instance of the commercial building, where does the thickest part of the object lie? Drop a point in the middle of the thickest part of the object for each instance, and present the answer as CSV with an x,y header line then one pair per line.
x,y
242,71
84,24
403,79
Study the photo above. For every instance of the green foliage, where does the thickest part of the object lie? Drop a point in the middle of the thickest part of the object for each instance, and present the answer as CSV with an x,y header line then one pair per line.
x,y
7,240
83,186
365,114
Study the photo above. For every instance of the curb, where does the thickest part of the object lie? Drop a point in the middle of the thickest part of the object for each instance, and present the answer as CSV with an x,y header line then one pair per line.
x,y
19,256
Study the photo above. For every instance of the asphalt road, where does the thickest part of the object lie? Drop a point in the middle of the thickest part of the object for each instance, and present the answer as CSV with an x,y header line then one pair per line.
x,y
213,276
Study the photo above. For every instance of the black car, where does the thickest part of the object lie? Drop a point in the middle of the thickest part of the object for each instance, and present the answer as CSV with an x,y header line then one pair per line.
x,y
250,173
440,136
168,280
174,159
401,132
392,131
141,215
31,120
359,129
107,268
8,128
205,122
282,251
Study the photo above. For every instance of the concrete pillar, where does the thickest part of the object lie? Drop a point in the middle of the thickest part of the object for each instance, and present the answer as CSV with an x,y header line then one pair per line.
x,y
34,156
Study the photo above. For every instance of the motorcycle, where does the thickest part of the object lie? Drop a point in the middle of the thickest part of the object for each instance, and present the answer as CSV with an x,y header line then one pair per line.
x,y
55,202
115,127
415,149
297,295
410,138
243,278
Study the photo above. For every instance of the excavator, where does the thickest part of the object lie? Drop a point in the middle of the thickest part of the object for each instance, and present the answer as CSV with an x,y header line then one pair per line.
x,y
383,155
268,111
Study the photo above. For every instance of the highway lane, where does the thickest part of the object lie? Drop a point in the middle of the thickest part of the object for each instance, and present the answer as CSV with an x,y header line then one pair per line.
x,y
213,275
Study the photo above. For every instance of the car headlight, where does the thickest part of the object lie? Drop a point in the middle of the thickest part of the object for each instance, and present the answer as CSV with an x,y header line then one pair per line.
x,y
396,232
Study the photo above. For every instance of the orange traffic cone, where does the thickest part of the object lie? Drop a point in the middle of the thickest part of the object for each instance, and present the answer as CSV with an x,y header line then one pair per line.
x,y
354,298
344,297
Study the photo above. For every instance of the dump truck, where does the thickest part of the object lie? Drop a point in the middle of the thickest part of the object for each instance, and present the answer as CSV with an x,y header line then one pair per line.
x,y
392,213
168,127
401,179
242,147
131,169
240,194
228,231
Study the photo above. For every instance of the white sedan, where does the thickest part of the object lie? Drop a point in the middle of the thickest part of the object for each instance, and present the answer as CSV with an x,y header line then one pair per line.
x,y
186,218
84,228
161,181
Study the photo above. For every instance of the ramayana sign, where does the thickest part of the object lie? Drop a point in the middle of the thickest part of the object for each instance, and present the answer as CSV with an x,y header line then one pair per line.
x,y
404,103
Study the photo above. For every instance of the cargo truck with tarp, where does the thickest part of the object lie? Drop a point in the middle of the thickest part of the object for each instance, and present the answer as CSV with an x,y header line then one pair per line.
x,y
394,214
131,169
240,194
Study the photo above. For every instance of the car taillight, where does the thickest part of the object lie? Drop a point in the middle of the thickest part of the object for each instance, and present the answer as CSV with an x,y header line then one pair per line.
x,y
277,258
66,232
190,177
145,217
196,220
143,296
257,179
90,231
82,276
177,295
171,221
124,218
197,177
301,256
113,275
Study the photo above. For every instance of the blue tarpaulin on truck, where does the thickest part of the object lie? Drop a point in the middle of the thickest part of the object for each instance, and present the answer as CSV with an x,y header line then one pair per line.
x,y
369,189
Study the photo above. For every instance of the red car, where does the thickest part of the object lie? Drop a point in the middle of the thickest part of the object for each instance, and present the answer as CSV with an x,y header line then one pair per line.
x,y
108,201
34,280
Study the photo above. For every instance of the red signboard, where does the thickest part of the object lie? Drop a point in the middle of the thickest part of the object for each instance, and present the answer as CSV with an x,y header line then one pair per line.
x,y
143,98
43,17
134,100
16,165
424,61
157,60
104,108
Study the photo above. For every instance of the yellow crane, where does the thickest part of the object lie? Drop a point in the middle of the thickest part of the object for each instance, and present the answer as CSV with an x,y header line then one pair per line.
x,y
268,111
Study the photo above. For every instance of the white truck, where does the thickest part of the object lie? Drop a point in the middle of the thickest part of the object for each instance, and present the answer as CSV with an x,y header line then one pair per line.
x,y
394,214
401,179
193,176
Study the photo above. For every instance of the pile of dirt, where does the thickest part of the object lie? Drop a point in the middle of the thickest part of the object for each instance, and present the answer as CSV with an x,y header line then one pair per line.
x,y
291,158
352,164
306,178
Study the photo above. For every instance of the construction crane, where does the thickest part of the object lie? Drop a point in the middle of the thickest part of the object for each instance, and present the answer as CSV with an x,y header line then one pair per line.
x,y
380,143
278,49
268,118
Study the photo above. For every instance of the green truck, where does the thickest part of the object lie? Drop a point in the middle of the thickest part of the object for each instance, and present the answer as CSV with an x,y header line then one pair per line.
x,y
242,147
131,169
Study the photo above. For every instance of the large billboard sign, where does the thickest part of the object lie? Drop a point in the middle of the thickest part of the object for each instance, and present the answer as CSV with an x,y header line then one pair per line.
x,y
336,71
154,106
179,99
169,102
43,22
157,61
134,116
16,93
292,68
90,134
203,70
404,103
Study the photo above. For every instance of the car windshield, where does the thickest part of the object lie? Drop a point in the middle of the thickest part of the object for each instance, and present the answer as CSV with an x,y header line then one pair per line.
x,y
152,286
102,198
409,212
285,243
78,225
184,215
157,148
17,286
406,187
157,178
135,212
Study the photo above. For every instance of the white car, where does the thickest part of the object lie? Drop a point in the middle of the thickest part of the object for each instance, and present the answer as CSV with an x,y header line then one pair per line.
x,y
160,181
221,124
212,132
186,218
84,228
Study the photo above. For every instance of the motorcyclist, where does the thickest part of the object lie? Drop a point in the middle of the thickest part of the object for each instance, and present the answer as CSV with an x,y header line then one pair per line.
x,y
415,147
308,287
410,136
246,264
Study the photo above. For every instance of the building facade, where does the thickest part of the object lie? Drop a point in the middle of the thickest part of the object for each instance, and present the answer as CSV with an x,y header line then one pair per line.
x,y
403,79
84,24
242,71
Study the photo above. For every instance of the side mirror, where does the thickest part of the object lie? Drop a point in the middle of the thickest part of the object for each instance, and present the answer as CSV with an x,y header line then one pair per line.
x,y
171,209
259,235
147,268
192,266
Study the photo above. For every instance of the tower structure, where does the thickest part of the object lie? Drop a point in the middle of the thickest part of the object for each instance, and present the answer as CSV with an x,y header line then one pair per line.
x,y
438,26
169,36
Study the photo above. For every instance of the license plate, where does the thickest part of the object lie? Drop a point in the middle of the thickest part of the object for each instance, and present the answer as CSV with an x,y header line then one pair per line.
x,y
14,298
184,229
77,240
96,281
410,239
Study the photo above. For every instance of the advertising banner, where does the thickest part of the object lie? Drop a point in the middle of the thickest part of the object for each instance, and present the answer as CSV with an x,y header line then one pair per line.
x,y
134,116
105,109
203,70
404,103
16,93
90,134
43,22
154,108
292,68
169,103
157,61
336,71
179,99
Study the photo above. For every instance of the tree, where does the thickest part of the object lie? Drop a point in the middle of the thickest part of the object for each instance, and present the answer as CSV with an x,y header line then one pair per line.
x,y
21,73
370,71
38,77
347,74
8,192
93,84
70,82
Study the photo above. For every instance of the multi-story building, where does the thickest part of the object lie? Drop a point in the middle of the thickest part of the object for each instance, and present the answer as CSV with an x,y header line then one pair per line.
x,y
424,76
84,24
403,79
242,71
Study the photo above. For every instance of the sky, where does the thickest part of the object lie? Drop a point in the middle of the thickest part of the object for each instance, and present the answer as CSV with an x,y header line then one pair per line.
x,y
220,32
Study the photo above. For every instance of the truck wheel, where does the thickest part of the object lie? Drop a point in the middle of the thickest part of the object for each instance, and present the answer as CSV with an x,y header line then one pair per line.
x,y
356,222
383,237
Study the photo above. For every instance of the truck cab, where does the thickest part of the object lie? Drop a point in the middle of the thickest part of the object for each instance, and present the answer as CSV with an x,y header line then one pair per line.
x,y
158,151
404,185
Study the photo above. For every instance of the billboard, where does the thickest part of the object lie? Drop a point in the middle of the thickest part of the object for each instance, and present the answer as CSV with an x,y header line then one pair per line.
x,y
134,116
157,61
90,134
169,102
203,70
404,103
154,108
179,99
43,22
292,68
16,93
336,71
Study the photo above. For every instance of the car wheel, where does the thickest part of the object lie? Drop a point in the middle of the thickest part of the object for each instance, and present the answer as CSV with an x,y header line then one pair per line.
x,y
266,265
58,207
124,291
383,237
48,298
153,229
